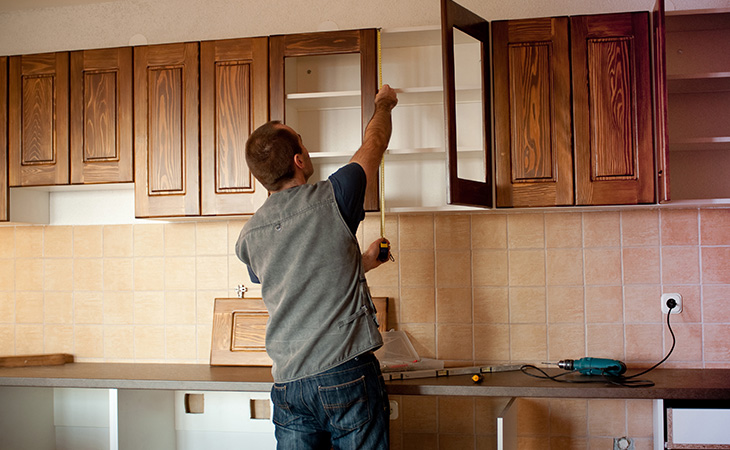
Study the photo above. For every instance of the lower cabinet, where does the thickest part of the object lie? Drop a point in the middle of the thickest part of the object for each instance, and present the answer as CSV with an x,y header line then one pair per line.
x,y
112,419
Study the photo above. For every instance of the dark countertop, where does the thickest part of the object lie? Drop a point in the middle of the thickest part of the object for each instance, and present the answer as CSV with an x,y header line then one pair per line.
x,y
699,384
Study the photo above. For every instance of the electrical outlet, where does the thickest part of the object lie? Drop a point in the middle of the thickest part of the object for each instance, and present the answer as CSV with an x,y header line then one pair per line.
x,y
393,410
623,443
677,298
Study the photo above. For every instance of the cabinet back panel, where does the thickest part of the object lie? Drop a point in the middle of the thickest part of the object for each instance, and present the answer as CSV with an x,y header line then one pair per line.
x,y
38,106
100,117
166,153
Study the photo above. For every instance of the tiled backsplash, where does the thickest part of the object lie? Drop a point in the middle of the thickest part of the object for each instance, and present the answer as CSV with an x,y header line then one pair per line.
x,y
467,287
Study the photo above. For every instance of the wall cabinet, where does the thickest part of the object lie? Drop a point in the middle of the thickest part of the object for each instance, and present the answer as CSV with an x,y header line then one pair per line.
x,y
602,63
323,85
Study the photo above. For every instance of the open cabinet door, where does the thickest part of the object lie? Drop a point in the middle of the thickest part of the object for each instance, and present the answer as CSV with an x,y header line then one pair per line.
x,y
661,101
465,46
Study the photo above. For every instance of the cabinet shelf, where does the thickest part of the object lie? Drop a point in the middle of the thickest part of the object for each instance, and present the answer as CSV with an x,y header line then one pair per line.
x,y
717,143
686,83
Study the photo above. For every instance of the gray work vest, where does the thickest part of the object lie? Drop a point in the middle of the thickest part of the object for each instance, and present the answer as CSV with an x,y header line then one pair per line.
x,y
310,267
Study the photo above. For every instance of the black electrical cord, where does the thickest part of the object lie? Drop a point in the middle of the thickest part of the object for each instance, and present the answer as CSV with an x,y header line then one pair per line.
x,y
619,380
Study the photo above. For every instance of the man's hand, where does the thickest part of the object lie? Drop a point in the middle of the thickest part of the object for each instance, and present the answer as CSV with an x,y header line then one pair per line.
x,y
370,257
386,98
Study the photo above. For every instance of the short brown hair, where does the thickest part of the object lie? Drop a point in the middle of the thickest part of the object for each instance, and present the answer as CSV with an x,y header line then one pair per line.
x,y
270,154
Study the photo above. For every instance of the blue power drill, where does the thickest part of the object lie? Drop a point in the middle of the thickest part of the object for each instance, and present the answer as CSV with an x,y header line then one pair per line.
x,y
594,366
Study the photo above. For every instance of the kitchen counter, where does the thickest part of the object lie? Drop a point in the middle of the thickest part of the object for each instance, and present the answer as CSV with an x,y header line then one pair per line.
x,y
691,384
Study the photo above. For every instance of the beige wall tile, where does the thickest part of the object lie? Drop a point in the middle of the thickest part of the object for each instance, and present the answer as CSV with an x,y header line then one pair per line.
x,y
420,414
7,274
679,227
423,338
369,230
565,304
641,265
58,274
384,275
527,268
88,341
456,415
58,339
489,231
118,308
181,342
416,232
640,414
204,341
88,241
568,417
528,342
149,274
535,417
180,271
7,307
28,242
234,230
58,308
149,308
602,266
486,411
28,339
492,343
640,227
563,230
58,242
689,342
7,340
205,304
566,340
28,274
527,305
118,274
452,441
606,418
491,268
605,341
417,304
7,242
715,301
211,272
149,342
211,238
118,240
29,307
455,342
453,305
180,307
681,265
717,342
453,268
491,305
526,231
641,304
179,239
601,229
453,231
88,307
716,265
88,274
604,304
714,228
417,268
118,342
564,267
149,239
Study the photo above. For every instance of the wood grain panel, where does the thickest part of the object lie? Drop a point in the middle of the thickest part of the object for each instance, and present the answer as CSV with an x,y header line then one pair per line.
x,y
532,112
612,109
327,43
661,101
4,197
101,116
234,101
166,125
38,119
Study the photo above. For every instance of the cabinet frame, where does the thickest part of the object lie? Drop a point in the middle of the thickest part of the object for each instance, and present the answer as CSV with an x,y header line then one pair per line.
x,y
4,197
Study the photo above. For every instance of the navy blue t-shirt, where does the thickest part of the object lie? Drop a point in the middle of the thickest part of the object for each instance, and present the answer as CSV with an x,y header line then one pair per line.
x,y
349,183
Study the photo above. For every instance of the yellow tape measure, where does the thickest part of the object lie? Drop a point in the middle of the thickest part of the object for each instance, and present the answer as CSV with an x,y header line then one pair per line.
x,y
382,163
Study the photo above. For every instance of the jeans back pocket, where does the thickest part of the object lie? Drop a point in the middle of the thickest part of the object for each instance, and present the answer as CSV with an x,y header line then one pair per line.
x,y
346,404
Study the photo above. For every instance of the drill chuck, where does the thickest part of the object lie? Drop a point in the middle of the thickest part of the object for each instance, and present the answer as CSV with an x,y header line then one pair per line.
x,y
594,366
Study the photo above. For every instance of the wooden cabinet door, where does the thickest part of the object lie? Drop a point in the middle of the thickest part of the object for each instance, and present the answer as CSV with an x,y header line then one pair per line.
x,y
166,130
363,42
38,120
532,112
101,116
4,197
233,102
462,190
612,109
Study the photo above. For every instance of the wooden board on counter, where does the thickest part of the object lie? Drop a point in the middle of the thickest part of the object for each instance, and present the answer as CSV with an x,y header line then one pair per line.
x,y
53,359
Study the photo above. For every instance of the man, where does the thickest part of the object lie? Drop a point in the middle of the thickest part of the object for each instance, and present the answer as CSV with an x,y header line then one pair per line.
x,y
322,330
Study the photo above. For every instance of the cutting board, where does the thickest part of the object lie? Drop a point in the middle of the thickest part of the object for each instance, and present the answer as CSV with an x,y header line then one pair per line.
x,y
239,331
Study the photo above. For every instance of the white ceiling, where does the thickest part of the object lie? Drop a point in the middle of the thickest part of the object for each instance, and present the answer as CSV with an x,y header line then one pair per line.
x,y
18,5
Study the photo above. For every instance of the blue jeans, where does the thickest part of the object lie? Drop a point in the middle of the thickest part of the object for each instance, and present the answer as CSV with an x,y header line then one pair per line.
x,y
344,408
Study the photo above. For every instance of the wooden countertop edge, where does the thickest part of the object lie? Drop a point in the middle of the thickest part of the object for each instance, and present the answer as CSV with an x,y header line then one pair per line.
x,y
700,384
